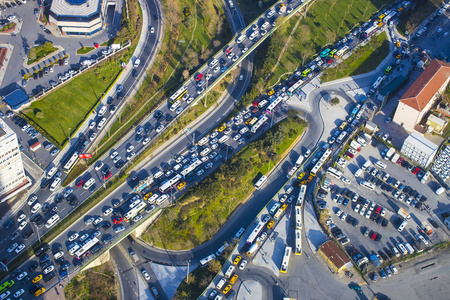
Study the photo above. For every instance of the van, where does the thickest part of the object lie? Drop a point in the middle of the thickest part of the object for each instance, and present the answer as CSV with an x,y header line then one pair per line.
x,y
213,63
205,152
440,190
224,139
229,271
380,164
153,198
366,165
102,111
409,248
241,38
402,226
203,141
89,183
263,103
175,105
101,123
274,208
51,172
158,174
221,283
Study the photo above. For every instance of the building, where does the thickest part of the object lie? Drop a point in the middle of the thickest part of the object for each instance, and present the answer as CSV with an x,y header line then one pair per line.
x,y
78,17
335,256
422,95
16,99
12,175
419,149
436,124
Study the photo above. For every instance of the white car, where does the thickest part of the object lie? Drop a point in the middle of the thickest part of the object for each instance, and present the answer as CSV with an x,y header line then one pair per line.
x,y
96,234
338,212
48,269
146,140
145,274
237,137
84,237
357,207
21,218
5,294
22,225
12,247
98,166
200,172
92,124
114,154
243,264
108,211
345,180
21,276
32,199
130,148
73,236
36,208
117,158
130,155
362,211
19,293
307,153
98,221
20,248
160,128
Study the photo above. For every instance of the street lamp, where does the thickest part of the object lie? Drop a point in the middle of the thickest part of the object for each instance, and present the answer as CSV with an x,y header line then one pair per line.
x,y
187,276
69,134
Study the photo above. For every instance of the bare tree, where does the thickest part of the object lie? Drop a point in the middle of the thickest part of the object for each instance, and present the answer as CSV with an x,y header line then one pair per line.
x,y
305,53
185,74
330,36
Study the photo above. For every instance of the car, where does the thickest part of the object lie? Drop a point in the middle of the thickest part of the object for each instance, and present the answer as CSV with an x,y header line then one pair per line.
x,y
48,269
145,274
117,220
73,237
393,269
119,229
416,170
270,224
12,247
21,276
137,218
237,260
243,263
160,128
84,237
23,224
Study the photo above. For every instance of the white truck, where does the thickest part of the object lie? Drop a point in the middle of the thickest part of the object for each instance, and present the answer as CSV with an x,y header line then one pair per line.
x,y
221,249
403,214
355,145
133,255
252,249
395,158
425,177
390,152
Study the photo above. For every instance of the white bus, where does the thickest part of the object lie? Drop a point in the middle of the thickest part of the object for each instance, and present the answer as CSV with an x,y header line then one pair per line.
x,y
274,104
371,30
298,242
301,195
178,94
255,232
153,198
389,16
88,245
207,260
294,87
170,183
376,84
325,156
316,168
259,124
52,221
162,199
335,173
191,167
285,261
73,159
298,217
260,182
133,212
342,51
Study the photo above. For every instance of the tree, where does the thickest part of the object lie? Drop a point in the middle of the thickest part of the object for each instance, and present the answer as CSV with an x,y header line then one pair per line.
x,y
305,53
334,101
185,74
32,54
330,36
410,27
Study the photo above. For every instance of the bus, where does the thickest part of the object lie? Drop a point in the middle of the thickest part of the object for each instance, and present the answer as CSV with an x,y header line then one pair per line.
x,y
258,124
133,212
273,105
316,168
285,261
376,84
325,156
325,53
52,221
255,232
301,195
88,245
389,16
298,242
6,285
335,173
298,217
72,160
170,183
207,260
371,30
178,94
191,167
294,87
342,51
260,182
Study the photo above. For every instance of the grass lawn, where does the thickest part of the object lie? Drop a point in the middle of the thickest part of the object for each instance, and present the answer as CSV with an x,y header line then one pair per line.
x,y
413,17
68,106
86,50
363,60
40,54
326,22
201,212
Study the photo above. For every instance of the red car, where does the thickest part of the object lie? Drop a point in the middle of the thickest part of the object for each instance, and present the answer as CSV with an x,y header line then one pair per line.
x,y
401,160
107,175
80,183
117,220
199,76
330,61
374,236
416,170
227,51
378,210
350,155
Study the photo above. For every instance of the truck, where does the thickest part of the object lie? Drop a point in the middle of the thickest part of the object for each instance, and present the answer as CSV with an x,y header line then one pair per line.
x,y
143,184
439,190
403,214
395,158
426,228
366,165
133,255
115,46
221,249
425,177
374,259
390,152
299,161
252,249
355,145
362,261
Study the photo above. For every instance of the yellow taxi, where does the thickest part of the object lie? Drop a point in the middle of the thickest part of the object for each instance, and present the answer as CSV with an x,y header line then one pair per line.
x,y
271,93
284,206
301,175
237,259
148,195
227,289
233,279
270,224
37,278
181,185
222,128
39,292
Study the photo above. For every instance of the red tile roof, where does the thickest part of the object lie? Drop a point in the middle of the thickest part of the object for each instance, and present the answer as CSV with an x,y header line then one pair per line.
x,y
334,254
427,85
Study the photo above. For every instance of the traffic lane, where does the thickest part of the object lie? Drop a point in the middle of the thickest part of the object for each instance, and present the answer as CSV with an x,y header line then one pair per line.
x,y
126,272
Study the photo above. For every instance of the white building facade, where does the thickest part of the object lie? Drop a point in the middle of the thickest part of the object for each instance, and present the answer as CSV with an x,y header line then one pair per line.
x,y
12,174
419,149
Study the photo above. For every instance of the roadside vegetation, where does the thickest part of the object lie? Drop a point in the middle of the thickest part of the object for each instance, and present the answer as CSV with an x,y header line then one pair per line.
x,y
66,108
322,23
409,20
84,50
201,212
362,60
37,53
95,283
194,31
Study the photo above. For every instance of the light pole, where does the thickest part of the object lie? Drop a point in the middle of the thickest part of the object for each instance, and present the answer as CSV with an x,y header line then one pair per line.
x,y
187,275
69,134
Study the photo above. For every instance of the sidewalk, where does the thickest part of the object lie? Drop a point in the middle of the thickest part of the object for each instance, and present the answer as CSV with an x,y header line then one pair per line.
x,y
10,49
313,231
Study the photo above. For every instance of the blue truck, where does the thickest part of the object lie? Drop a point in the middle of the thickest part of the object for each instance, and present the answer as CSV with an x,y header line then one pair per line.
x,y
374,259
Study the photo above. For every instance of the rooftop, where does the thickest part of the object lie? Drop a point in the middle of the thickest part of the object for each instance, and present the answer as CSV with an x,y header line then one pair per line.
x,y
16,99
427,85
75,8
421,143
334,254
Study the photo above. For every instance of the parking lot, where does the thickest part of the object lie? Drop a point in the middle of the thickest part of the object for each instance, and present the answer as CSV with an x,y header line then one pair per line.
x,y
376,231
